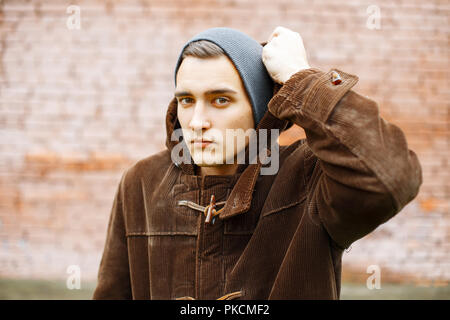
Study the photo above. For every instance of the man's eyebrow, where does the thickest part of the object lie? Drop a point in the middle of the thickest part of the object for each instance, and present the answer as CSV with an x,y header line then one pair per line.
x,y
220,91
182,93
209,92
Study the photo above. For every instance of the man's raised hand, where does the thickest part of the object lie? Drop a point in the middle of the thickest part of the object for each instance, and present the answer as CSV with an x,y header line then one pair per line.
x,y
284,54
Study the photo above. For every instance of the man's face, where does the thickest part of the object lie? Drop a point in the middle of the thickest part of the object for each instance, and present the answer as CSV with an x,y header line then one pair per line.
x,y
211,99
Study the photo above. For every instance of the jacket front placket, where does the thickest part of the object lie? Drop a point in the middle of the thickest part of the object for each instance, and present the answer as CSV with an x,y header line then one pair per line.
x,y
209,275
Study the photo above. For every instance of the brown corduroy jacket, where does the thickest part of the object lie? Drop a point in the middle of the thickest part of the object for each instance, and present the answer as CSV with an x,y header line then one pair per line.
x,y
279,236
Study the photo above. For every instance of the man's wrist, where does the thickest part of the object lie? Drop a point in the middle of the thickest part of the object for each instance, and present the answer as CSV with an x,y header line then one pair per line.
x,y
294,71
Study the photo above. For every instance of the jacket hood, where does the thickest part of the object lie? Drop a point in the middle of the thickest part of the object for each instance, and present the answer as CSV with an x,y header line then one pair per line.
x,y
240,197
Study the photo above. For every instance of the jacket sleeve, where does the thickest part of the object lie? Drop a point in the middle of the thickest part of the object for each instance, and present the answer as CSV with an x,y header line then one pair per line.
x,y
114,275
364,172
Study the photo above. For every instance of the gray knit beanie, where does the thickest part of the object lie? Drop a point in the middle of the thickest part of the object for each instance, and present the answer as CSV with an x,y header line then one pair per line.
x,y
246,55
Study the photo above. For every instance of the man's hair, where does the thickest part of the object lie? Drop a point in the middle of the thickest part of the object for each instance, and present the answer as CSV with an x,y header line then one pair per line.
x,y
202,49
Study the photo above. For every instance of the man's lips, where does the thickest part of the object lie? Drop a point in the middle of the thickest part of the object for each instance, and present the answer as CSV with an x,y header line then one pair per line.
x,y
201,143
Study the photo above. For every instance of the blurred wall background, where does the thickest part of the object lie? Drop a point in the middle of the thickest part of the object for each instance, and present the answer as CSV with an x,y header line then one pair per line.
x,y
78,106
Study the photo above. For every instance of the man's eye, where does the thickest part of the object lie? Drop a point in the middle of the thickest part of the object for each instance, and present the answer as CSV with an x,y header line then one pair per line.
x,y
222,101
185,101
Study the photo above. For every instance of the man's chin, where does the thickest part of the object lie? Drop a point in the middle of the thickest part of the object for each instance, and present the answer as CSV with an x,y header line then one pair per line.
x,y
205,165
212,163
205,162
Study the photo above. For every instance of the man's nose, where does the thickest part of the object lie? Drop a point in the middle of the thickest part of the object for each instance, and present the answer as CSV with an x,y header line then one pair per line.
x,y
199,119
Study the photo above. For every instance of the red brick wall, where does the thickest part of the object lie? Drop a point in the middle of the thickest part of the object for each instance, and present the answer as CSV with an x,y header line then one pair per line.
x,y
79,106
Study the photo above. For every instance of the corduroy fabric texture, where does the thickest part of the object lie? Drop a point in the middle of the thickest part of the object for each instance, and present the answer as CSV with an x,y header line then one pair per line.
x,y
280,236
245,53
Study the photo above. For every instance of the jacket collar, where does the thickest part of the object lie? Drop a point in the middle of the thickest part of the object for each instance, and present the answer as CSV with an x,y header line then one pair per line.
x,y
240,198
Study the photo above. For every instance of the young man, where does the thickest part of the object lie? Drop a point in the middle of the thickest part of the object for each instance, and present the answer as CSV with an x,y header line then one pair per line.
x,y
208,227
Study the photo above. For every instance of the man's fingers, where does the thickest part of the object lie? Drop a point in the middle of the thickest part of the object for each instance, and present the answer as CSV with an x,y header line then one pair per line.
x,y
266,53
276,32
273,35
